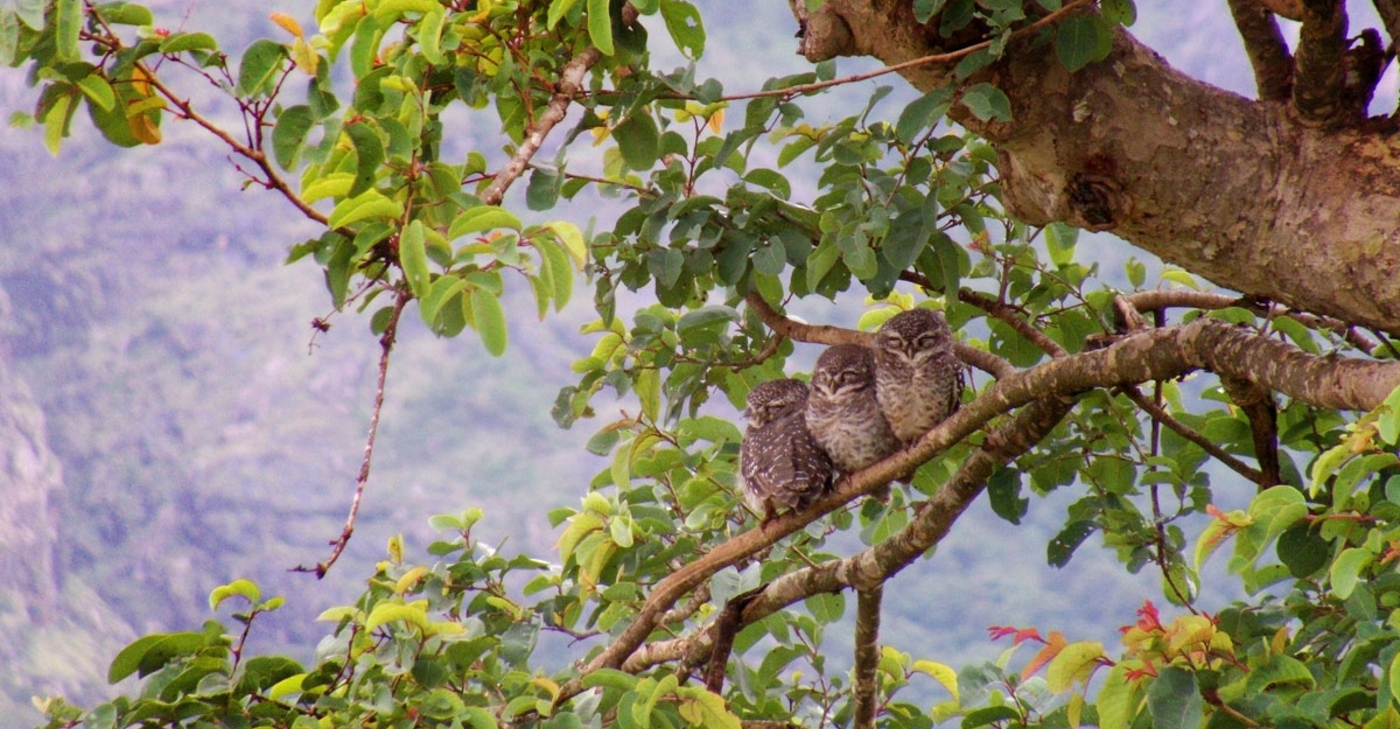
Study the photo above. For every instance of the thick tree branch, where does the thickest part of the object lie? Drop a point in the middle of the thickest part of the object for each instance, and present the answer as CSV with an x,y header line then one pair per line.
x,y
1389,10
1267,51
1288,213
1157,354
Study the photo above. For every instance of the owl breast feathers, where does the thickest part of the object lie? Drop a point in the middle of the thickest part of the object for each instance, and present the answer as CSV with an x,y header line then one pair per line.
x,y
780,463
918,377
842,413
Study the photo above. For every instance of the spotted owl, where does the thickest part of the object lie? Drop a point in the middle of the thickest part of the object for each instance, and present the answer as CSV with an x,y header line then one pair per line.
x,y
780,462
842,413
918,377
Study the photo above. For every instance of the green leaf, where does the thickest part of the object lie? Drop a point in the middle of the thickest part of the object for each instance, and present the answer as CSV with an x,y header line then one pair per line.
x,y
369,155
68,21
368,206
558,9
384,613
638,140
1388,424
480,219
98,91
31,13
1346,570
430,35
926,9
413,257
9,38
152,652
261,63
685,26
390,11
56,123
489,320
648,387
1081,40
989,715
555,259
572,238
1118,12
1174,701
181,42
245,589
600,26
1281,669
289,135
827,607
922,113
987,102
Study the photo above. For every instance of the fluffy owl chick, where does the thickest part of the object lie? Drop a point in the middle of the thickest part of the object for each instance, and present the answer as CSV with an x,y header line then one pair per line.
x,y
781,464
842,413
918,377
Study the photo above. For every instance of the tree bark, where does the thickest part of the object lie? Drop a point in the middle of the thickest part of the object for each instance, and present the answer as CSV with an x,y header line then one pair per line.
x,y
1237,191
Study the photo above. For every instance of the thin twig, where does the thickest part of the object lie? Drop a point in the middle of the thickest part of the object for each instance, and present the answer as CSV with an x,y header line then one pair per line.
x,y
824,334
1181,298
386,344
1160,415
1262,413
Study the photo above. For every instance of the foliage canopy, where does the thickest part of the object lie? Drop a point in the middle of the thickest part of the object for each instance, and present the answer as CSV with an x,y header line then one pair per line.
x,y
721,233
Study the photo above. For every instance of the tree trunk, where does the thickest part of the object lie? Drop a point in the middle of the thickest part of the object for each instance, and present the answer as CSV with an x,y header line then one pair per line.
x,y
1237,191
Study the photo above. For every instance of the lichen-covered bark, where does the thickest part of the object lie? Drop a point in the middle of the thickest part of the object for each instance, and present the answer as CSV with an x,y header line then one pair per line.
x,y
1234,190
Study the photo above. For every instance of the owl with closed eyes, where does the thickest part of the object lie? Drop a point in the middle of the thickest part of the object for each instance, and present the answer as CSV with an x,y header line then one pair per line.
x,y
781,464
918,376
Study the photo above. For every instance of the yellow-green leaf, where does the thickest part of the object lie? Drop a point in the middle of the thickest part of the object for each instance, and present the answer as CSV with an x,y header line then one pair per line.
x,y
98,91
409,579
336,184
572,238
600,26
580,526
558,9
943,674
368,205
390,11
483,218
242,588
490,321
1346,571
1075,662
430,36
413,256
705,709
289,685
648,388
414,613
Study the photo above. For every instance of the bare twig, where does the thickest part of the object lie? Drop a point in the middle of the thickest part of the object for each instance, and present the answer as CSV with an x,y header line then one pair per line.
x,y
1177,298
1267,51
823,334
726,626
866,683
386,344
1165,418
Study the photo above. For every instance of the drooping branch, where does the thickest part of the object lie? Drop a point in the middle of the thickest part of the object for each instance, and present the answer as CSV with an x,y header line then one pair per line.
x,y
1183,298
1156,412
1262,413
1267,51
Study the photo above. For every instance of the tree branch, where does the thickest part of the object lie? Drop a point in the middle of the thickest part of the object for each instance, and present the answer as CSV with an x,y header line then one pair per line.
x,y
1317,89
570,85
1266,48
1165,418
824,334
1183,298
1259,408
1156,354
865,682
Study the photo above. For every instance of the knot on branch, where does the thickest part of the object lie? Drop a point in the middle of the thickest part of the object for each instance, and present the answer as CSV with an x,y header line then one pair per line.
x,y
822,34
1097,202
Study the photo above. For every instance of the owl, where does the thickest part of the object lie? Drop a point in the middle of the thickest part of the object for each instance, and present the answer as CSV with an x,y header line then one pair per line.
x,y
781,464
918,377
842,412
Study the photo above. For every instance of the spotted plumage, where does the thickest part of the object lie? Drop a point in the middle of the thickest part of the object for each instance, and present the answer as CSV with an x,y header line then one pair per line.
x,y
918,377
781,465
842,413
